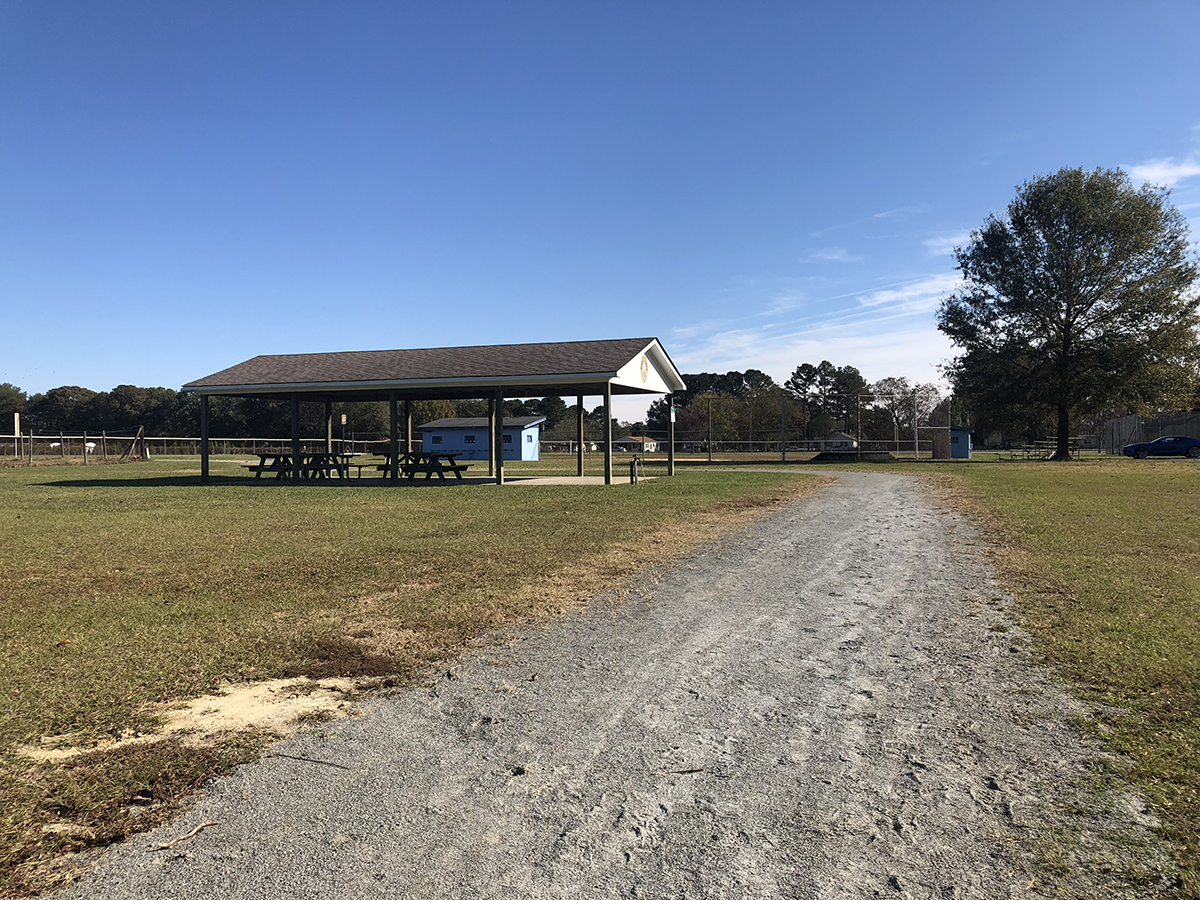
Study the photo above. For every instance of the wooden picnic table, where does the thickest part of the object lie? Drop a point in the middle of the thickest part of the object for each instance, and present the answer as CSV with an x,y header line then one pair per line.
x,y
429,463
313,466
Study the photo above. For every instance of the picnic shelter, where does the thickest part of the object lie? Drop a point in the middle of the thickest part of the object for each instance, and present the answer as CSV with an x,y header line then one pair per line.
x,y
494,372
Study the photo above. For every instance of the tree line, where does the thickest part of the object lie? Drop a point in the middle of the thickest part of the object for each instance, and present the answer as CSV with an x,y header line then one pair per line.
x,y
816,401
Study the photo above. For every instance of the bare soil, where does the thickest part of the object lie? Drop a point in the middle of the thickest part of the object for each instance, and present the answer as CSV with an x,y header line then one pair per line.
x,y
835,704
278,705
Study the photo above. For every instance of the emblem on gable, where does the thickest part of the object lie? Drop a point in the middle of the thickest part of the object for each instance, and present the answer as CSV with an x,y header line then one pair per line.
x,y
645,369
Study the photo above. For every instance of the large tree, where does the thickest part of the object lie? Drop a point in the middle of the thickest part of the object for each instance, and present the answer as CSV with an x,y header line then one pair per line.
x,y
1080,296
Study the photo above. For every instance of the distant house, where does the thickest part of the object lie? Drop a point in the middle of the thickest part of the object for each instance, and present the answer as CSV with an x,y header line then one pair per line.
x,y
636,443
837,441
470,437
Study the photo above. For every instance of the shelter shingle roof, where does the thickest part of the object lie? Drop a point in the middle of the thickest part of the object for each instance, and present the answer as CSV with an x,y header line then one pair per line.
x,y
440,371
442,362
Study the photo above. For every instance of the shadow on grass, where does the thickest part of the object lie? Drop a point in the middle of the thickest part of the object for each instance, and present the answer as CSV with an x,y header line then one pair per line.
x,y
159,481
234,481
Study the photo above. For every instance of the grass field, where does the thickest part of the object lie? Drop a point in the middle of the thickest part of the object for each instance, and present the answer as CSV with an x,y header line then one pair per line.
x,y
1106,559
129,586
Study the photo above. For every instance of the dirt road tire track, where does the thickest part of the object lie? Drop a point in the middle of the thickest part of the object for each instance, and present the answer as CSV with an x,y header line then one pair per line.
x,y
825,707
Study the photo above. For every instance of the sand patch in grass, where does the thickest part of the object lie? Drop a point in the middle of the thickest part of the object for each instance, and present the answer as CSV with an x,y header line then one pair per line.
x,y
279,705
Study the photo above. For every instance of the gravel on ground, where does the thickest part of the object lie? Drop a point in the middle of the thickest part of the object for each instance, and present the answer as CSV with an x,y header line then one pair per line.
x,y
833,704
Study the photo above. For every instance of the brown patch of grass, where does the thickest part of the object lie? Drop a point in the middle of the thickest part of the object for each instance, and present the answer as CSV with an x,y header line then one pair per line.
x,y
56,815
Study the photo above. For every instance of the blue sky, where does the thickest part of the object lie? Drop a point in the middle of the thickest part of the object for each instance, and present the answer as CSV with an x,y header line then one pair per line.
x,y
759,184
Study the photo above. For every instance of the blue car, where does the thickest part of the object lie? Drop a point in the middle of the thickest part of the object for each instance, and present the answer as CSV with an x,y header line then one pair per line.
x,y
1168,445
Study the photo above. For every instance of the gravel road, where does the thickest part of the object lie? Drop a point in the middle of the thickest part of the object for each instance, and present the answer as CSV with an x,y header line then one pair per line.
x,y
826,706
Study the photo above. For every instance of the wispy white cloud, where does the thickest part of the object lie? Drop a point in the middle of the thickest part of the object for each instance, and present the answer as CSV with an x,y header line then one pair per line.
x,y
913,350
900,212
922,295
883,331
1166,171
944,244
830,254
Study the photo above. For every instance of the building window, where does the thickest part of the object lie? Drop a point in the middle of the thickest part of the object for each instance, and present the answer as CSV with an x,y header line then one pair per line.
x,y
529,438
508,439
437,438
468,438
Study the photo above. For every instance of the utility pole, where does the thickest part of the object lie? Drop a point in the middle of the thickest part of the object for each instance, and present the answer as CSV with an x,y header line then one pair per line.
x,y
916,438
858,442
751,421
783,426
710,427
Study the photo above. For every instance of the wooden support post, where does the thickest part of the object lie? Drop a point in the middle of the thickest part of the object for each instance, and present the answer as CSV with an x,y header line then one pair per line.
x,y
85,448
608,432
204,439
492,436
498,445
297,453
670,434
408,429
393,441
579,435
104,445
328,427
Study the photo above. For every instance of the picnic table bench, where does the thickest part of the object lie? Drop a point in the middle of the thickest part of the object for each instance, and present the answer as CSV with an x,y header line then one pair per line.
x,y
313,466
429,463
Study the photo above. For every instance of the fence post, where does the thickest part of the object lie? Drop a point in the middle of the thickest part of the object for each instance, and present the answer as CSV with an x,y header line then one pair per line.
x,y
85,448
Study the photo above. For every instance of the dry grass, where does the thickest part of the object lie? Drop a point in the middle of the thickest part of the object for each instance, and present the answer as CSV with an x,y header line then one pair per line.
x,y
130,587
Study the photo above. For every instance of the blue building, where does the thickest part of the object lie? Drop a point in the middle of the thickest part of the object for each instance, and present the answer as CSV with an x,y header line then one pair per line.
x,y
470,437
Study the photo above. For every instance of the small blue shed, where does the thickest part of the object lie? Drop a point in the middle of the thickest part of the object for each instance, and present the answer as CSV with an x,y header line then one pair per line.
x,y
960,443
470,437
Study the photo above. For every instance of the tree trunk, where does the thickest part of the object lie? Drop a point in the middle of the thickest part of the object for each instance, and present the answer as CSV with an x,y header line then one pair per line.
x,y
1063,450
